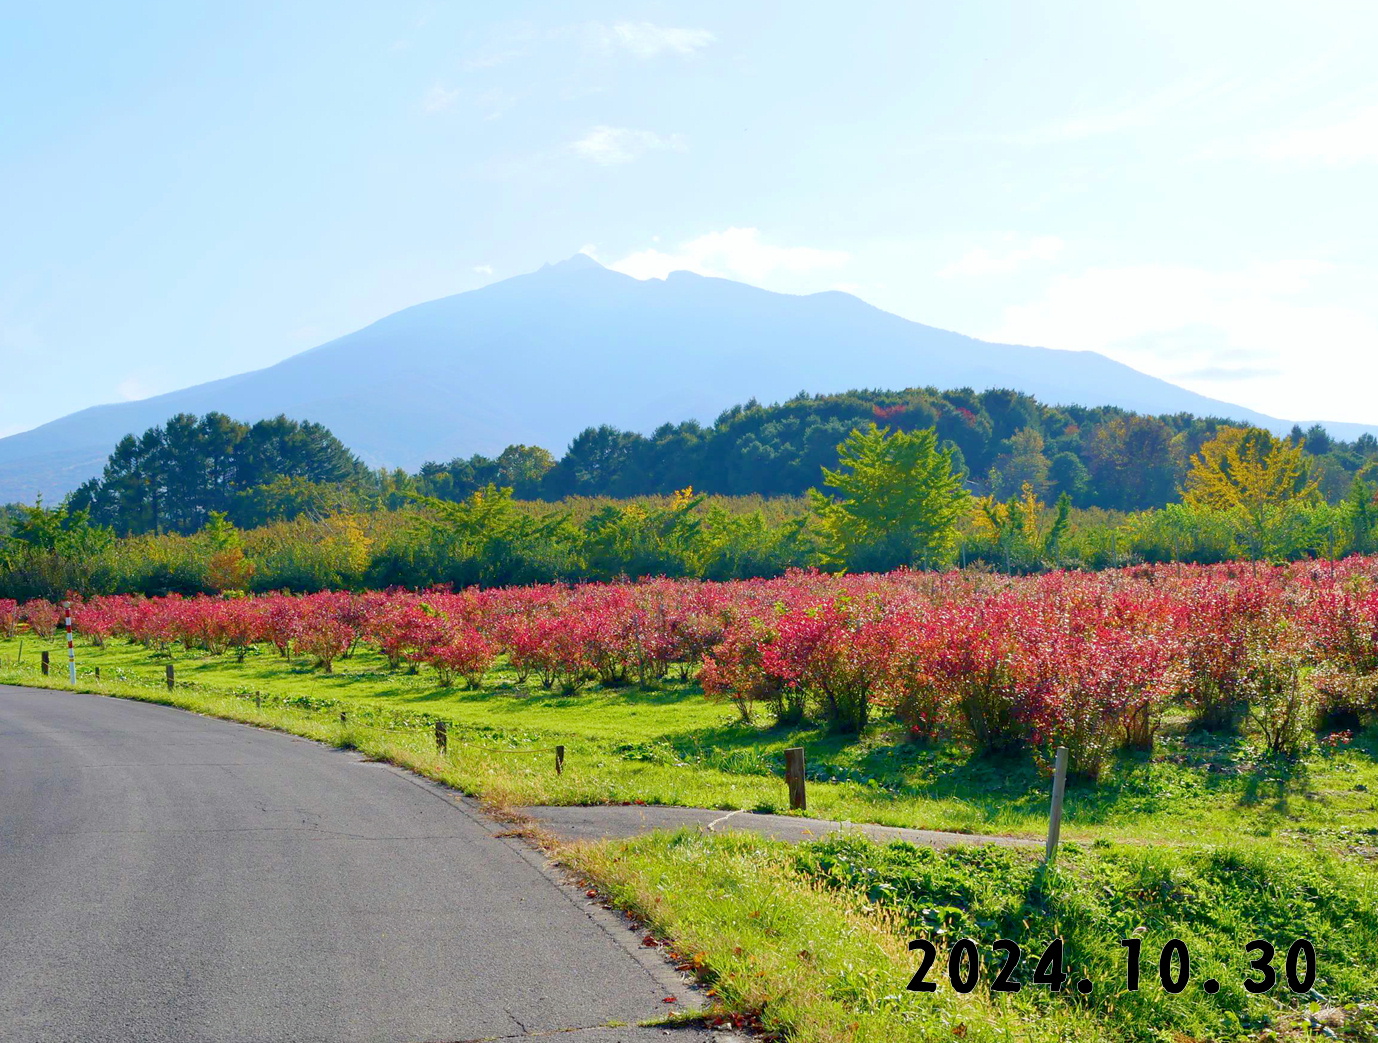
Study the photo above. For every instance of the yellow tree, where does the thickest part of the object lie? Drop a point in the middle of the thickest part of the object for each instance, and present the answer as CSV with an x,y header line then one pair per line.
x,y
1248,472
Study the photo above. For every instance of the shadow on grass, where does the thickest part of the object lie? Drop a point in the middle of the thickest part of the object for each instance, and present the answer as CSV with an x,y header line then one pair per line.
x,y
1189,771
1184,773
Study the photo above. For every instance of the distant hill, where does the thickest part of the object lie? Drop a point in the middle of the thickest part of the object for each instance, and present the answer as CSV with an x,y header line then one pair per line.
x,y
537,358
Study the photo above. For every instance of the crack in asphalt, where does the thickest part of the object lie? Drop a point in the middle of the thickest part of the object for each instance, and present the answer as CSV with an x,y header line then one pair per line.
x,y
714,824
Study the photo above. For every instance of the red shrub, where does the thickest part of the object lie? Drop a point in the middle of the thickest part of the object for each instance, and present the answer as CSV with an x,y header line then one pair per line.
x,y
41,616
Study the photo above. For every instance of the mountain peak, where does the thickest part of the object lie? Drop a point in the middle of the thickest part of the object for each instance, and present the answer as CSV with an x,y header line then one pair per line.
x,y
579,262
575,345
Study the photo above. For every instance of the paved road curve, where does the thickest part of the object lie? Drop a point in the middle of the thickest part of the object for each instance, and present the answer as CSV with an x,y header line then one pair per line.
x,y
165,876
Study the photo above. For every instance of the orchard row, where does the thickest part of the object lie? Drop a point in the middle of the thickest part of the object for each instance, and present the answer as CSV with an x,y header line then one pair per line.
x,y
1089,660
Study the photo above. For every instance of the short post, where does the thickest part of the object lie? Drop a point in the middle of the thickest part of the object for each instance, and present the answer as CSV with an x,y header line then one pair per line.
x,y
344,718
171,676
1055,815
71,650
97,673
559,760
794,778
43,662
442,738
258,700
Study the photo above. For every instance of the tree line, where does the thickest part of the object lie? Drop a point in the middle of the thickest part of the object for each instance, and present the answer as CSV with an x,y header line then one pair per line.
x,y
173,477
1100,456
896,498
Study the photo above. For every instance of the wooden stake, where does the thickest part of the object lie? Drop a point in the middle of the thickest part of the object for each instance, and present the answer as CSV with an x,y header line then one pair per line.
x,y
442,738
1055,814
258,700
97,673
794,778
43,663
171,677
559,760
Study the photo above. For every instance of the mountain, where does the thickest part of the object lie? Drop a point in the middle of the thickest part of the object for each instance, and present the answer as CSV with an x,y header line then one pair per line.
x,y
537,358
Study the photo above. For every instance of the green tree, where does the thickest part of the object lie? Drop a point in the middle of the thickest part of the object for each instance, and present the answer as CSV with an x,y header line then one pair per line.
x,y
1025,464
1069,475
1131,463
638,539
58,530
523,467
1361,514
898,498
486,539
173,477
50,551
597,462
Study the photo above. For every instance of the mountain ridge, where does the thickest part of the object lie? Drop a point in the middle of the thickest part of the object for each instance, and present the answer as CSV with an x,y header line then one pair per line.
x,y
538,357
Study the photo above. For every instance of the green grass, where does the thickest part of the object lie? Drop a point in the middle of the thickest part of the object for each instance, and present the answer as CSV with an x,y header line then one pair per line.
x,y
673,746
812,940
1204,839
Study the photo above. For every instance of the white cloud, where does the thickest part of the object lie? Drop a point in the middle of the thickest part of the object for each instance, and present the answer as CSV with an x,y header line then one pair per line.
x,y
1104,306
1271,335
1352,140
648,41
131,389
439,98
735,252
1227,373
611,145
1012,253
483,269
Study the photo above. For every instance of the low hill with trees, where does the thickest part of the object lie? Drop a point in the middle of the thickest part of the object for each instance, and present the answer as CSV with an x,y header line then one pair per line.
x,y
172,477
1100,457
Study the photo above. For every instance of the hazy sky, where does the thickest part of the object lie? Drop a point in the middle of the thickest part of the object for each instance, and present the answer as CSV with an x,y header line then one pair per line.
x,y
192,190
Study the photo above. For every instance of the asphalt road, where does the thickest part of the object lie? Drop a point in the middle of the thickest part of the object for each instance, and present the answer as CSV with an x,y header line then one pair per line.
x,y
170,877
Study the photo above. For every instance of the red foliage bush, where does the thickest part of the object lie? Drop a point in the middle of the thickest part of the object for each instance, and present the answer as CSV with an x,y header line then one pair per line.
x,y
42,616
9,617
1090,661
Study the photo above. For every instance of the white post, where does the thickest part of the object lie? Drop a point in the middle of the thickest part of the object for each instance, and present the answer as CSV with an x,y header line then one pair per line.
x,y
71,651
1055,816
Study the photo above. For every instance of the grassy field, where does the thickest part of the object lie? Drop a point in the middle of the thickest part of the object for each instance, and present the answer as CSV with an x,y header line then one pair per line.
x,y
1204,840
811,942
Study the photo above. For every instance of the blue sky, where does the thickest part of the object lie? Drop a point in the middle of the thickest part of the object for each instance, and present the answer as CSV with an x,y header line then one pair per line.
x,y
188,191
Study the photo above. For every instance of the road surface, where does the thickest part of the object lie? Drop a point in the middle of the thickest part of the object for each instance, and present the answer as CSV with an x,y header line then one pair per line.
x,y
171,877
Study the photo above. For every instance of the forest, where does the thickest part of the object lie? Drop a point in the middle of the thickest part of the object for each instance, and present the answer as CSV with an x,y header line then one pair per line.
x,y
171,478
864,481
